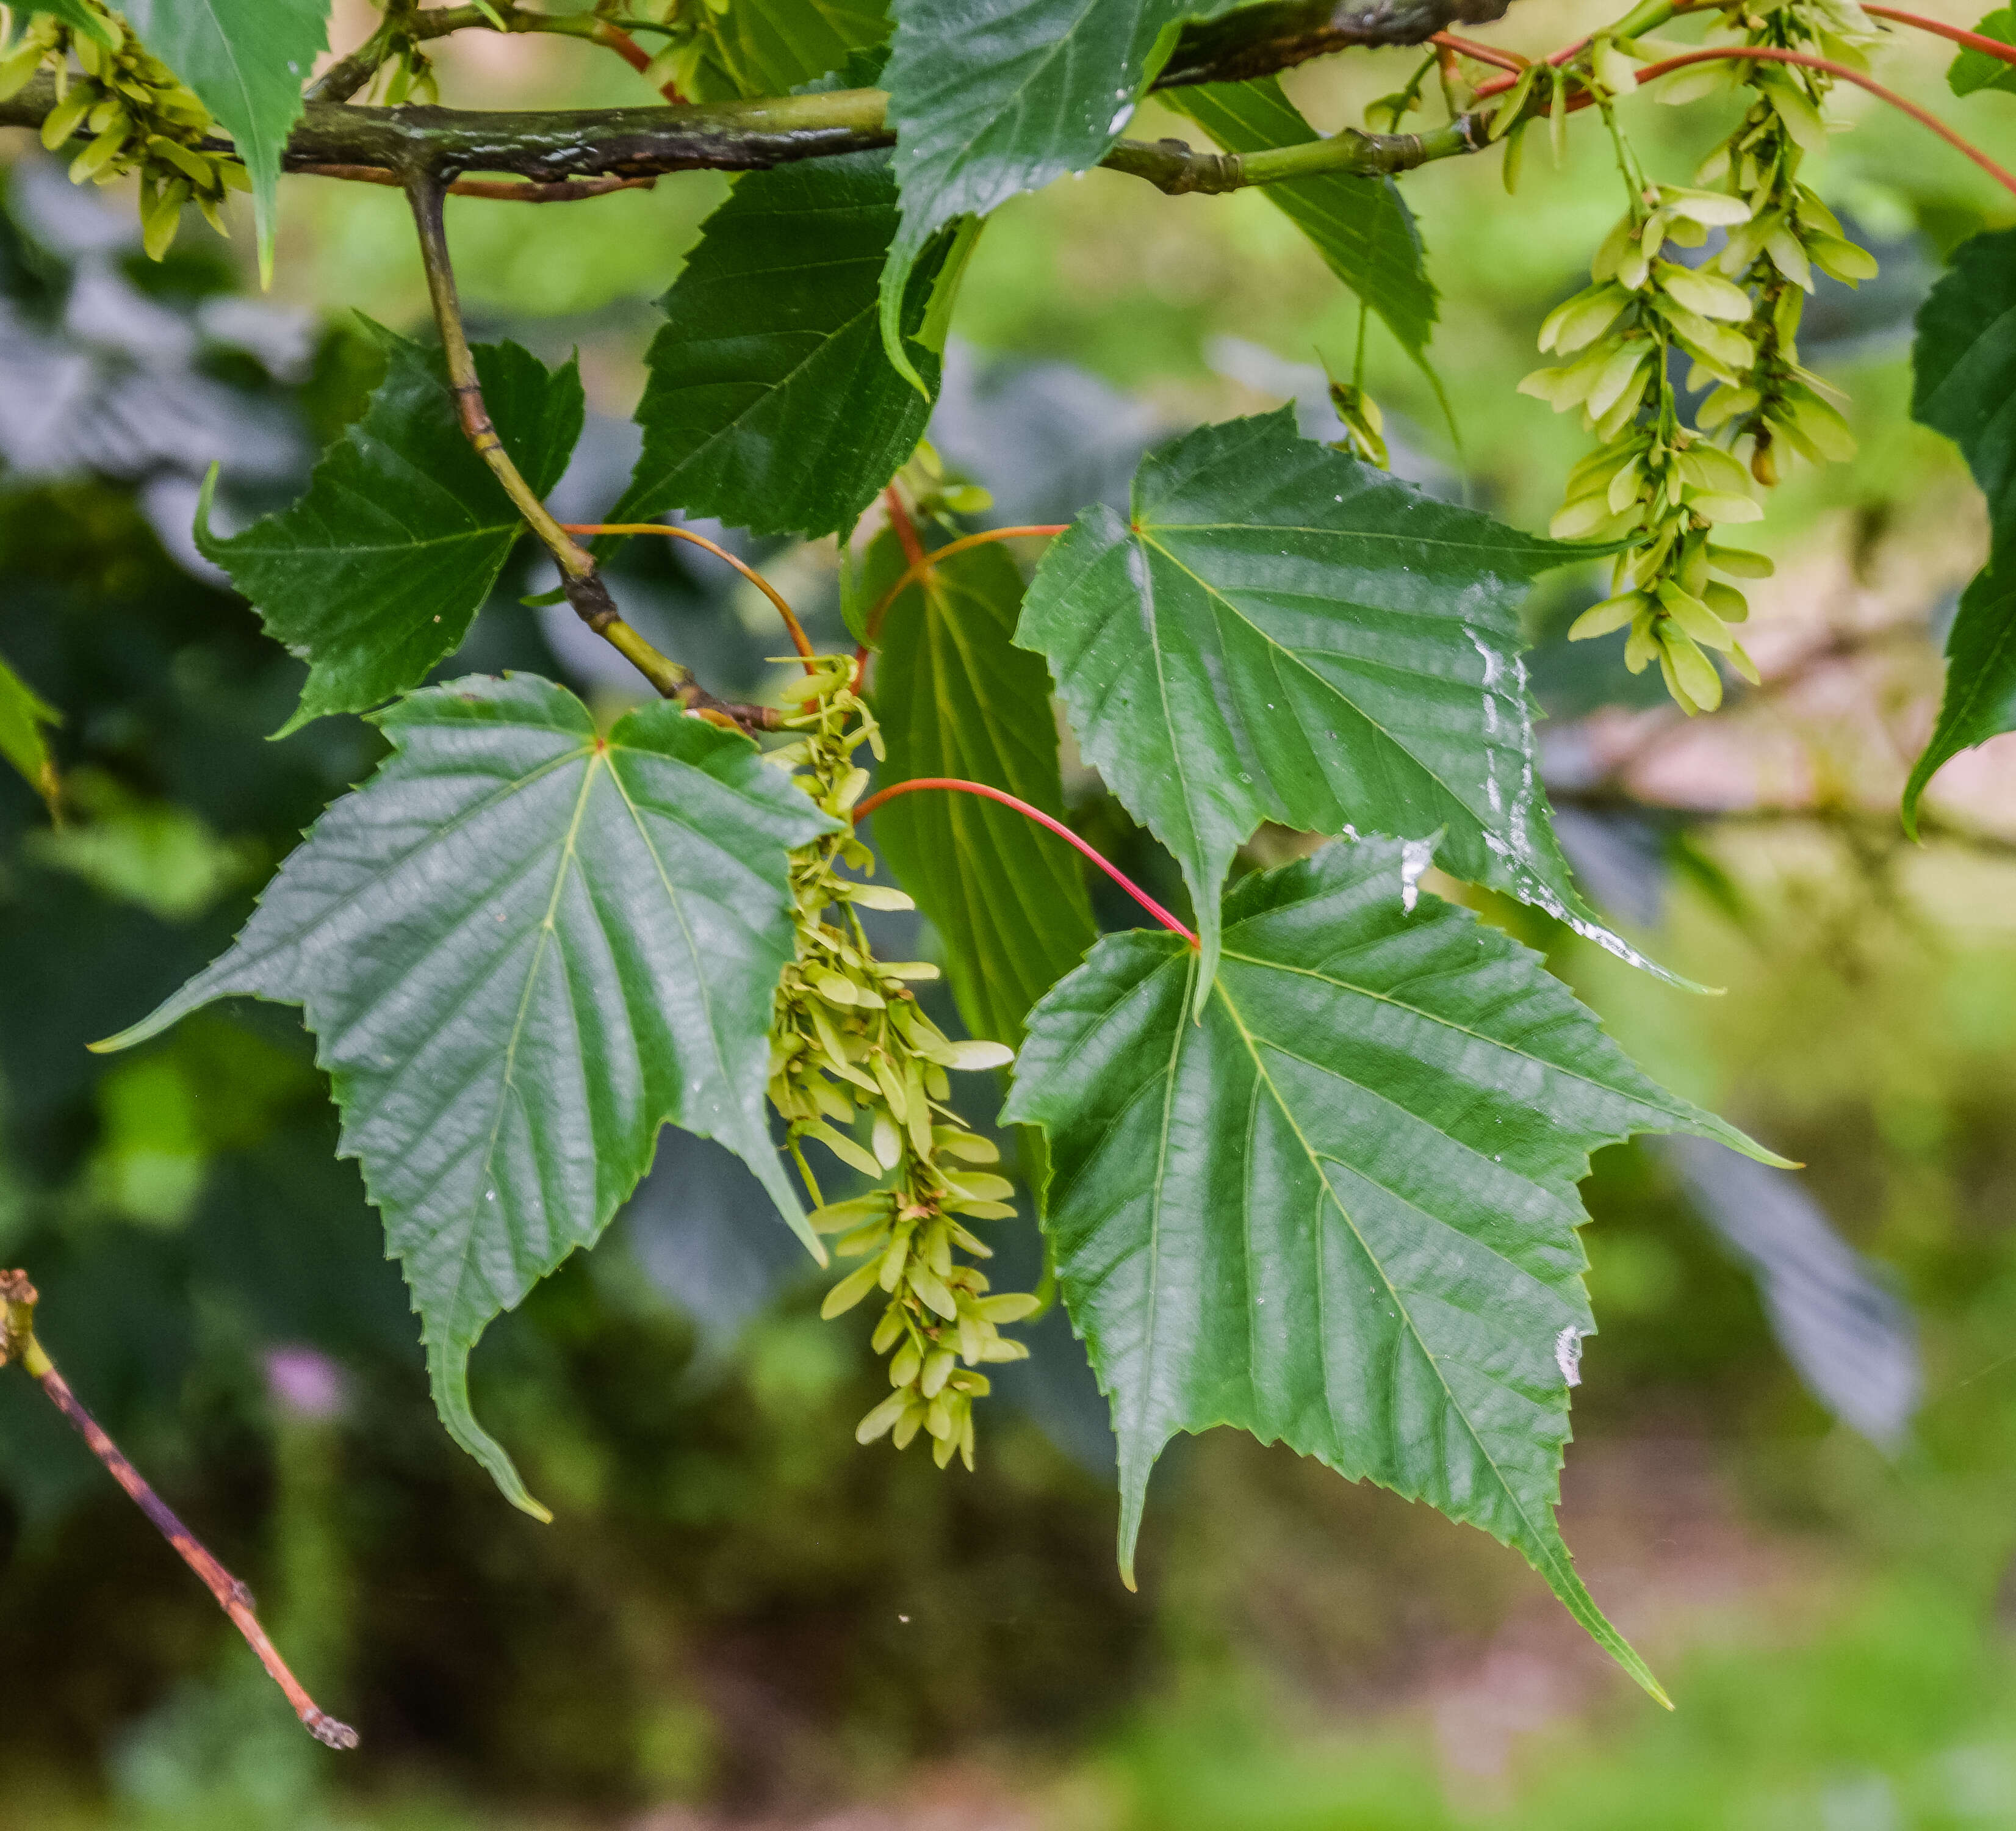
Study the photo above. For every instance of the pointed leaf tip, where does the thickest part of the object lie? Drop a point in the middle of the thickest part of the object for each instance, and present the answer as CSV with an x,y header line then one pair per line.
x,y
523,949
247,61
447,1370
1360,1239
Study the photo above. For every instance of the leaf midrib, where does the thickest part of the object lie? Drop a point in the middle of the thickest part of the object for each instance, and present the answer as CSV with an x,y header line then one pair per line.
x,y
402,550
1537,1541
506,1091
700,979
1181,1028
1323,686
1264,528
772,390
1432,1018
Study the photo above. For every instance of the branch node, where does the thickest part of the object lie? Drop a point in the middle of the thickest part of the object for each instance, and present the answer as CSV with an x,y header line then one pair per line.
x,y
591,602
18,1298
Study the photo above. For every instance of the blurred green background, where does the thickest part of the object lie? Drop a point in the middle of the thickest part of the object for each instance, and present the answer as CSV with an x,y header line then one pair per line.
x,y
1794,1479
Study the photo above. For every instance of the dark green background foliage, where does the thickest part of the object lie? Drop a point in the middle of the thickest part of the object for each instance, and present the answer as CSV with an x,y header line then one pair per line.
x,y
187,1214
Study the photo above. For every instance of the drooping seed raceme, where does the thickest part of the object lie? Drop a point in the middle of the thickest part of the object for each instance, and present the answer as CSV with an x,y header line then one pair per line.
x,y
1653,481
849,1040
1789,232
138,114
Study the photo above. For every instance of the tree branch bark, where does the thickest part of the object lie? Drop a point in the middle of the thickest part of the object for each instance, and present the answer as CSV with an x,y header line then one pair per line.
x,y
18,1299
578,146
574,147
1257,40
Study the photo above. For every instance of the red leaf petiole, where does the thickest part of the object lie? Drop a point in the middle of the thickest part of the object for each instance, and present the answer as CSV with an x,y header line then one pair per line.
x,y
1042,819
1772,54
799,640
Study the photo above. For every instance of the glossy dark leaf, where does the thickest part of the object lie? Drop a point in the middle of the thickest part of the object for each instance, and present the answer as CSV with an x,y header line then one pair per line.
x,y
771,403
772,47
1361,226
374,576
523,948
994,97
1963,384
1339,1207
248,61
1278,632
1973,70
956,698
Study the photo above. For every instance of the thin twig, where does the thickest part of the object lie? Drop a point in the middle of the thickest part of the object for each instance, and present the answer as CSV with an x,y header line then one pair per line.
x,y
580,579
17,1342
799,640
1972,41
607,32
566,191
906,531
1259,41
343,78
1805,60
1042,819
1490,54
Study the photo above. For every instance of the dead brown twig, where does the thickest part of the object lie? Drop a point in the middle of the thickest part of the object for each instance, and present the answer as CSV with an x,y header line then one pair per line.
x,y
18,1298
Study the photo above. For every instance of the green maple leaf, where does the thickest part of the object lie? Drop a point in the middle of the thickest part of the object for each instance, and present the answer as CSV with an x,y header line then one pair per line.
x,y
1278,632
994,97
247,61
1338,1210
1963,384
772,47
375,576
770,403
523,948
1973,69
